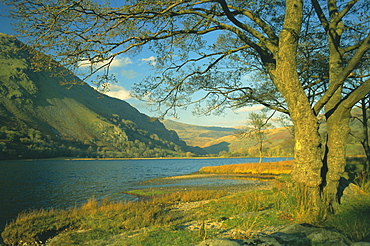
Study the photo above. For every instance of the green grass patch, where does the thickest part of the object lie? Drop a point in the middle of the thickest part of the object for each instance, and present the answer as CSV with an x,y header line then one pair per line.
x,y
352,219
160,236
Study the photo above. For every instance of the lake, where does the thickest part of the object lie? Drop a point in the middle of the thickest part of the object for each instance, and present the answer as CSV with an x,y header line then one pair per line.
x,y
38,184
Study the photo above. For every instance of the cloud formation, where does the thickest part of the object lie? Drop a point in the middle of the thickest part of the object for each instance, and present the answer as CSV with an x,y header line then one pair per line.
x,y
117,62
119,92
121,62
249,109
151,60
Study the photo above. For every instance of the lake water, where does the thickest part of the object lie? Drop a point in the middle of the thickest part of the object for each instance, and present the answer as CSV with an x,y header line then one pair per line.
x,y
38,184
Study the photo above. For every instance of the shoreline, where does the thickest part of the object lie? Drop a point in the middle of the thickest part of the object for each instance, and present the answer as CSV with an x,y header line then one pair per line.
x,y
139,158
224,175
173,184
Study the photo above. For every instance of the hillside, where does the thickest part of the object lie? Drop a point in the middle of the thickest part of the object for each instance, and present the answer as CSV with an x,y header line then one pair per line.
x,y
222,141
278,142
42,115
198,135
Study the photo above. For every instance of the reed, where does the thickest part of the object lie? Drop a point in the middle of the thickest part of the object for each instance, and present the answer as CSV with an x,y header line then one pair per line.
x,y
275,168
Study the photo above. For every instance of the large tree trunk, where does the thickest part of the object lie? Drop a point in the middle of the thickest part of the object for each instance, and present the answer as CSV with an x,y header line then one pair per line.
x,y
308,164
307,151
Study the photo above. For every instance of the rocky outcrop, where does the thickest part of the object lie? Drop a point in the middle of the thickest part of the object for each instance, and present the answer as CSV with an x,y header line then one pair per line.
x,y
292,235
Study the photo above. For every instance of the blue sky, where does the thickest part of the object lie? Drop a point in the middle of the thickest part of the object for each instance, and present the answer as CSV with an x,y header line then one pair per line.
x,y
133,69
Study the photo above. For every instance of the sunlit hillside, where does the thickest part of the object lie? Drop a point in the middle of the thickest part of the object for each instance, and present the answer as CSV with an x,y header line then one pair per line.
x,y
278,142
198,135
223,141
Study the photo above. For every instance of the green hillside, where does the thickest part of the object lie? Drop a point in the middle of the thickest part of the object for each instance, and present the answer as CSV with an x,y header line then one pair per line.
x,y
43,115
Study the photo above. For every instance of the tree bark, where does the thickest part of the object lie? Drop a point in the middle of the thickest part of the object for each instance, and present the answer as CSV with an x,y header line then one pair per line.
x,y
334,157
365,132
307,150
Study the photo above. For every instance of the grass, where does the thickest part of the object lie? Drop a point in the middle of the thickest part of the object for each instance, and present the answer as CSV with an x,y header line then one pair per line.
x,y
99,221
181,218
352,219
154,221
275,168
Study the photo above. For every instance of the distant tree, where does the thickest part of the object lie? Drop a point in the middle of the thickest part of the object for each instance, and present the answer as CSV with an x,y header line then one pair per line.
x,y
255,128
189,154
307,51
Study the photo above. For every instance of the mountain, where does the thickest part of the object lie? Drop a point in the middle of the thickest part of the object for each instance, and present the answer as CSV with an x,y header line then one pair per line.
x,y
198,135
278,142
222,141
44,114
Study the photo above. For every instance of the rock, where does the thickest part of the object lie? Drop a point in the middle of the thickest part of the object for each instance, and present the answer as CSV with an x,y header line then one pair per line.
x,y
349,192
292,235
220,242
262,241
302,235
310,235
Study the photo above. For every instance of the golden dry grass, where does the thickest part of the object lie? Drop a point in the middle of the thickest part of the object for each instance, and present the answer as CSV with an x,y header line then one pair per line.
x,y
281,167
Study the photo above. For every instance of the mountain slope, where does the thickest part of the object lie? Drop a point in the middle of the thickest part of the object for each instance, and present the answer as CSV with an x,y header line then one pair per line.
x,y
278,142
222,140
73,117
198,135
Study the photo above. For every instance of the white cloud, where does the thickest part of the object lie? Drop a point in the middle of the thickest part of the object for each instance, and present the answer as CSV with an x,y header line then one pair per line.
x,y
151,60
121,62
117,62
119,92
130,74
249,109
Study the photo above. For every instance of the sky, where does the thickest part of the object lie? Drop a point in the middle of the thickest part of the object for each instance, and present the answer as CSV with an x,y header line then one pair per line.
x,y
133,69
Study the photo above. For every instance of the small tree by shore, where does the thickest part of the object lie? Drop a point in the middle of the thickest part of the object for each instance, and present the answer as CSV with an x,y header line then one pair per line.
x,y
255,128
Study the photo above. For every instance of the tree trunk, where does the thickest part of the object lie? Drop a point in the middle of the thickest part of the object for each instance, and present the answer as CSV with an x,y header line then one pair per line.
x,y
307,150
308,164
260,149
365,132
334,157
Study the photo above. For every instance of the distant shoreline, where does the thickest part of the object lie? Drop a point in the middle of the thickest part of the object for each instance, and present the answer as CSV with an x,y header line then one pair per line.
x,y
139,158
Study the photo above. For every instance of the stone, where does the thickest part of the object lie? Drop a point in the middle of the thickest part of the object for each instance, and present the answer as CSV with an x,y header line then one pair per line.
x,y
262,241
302,235
305,234
349,192
220,242
292,235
